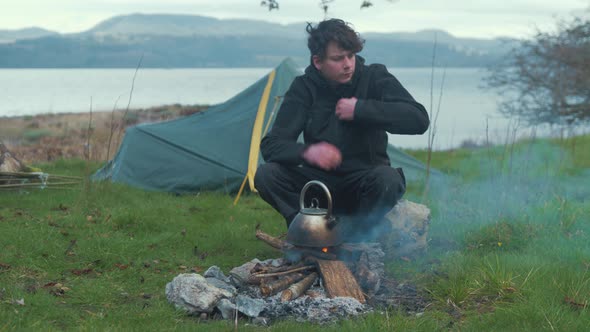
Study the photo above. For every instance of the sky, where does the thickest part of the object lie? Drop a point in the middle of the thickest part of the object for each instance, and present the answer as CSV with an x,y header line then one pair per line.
x,y
462,18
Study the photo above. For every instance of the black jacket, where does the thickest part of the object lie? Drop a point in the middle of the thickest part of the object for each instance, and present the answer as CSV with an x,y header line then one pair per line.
x,y
309,107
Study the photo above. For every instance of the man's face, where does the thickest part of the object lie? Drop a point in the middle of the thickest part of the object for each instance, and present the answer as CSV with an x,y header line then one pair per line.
x,y
338,65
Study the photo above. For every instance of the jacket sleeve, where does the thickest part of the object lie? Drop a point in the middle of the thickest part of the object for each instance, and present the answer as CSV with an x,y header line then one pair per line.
x,y
395,110
280,144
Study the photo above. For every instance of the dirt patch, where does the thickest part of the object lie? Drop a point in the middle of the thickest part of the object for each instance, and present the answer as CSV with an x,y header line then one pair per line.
x,y
47,137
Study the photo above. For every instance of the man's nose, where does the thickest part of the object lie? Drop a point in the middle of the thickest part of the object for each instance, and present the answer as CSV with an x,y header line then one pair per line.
x,y
348,62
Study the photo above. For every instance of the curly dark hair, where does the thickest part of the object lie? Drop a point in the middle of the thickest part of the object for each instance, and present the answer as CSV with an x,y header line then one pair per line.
x,y
335,30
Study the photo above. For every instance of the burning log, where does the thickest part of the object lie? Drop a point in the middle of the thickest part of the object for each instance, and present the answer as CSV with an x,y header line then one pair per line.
x,y
339,281
276,286
296,290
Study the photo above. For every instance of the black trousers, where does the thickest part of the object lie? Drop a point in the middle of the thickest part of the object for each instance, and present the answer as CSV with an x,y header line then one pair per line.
x,y
360,198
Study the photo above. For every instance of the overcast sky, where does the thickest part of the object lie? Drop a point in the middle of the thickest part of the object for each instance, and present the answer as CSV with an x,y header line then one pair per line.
x,y
463,18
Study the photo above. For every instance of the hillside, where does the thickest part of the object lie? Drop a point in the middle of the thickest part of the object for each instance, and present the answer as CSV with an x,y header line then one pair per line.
x,y
189,41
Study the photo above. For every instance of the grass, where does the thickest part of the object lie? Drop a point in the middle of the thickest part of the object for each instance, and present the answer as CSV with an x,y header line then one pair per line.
x,y
509,249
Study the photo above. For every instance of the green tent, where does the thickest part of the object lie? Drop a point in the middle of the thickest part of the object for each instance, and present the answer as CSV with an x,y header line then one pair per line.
x,y
217,149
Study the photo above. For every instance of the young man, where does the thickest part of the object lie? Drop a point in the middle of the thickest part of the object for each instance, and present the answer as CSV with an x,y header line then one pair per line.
x,y
344,109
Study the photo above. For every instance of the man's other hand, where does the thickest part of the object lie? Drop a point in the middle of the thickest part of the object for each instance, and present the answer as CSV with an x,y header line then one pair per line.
x,y
345,108
323,155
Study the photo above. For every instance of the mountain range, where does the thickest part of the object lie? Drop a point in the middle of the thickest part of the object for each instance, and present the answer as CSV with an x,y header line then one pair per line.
x,y
188,41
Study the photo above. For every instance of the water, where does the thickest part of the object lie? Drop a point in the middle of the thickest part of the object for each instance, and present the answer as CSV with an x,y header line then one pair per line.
x,y
466,111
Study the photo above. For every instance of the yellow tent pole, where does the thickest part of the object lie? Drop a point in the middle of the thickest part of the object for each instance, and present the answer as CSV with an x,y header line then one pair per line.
x,y
240,191
257,136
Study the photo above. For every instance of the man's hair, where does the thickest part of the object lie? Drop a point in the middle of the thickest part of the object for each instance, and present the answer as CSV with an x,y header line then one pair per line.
x,y
335,30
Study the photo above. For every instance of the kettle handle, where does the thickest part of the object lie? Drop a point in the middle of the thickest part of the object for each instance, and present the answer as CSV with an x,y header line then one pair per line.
x,y
318,183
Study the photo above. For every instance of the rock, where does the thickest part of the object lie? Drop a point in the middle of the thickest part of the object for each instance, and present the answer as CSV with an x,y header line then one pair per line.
x,y
409,223
192,292
239,275
9,163
227,309
215,272
223,285
249,306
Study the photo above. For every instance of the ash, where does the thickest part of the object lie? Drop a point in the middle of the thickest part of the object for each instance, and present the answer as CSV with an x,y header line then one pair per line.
x,y
320,309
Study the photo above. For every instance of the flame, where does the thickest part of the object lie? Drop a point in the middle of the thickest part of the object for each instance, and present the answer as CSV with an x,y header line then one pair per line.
x,y
325,249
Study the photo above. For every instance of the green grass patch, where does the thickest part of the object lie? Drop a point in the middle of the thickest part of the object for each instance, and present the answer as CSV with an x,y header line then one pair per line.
x,y
505,253
34,135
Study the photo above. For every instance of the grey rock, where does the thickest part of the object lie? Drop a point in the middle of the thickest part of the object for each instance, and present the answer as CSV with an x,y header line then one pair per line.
x,y
215,272
192,292
409,224
227,309
239,275
249,306
223,285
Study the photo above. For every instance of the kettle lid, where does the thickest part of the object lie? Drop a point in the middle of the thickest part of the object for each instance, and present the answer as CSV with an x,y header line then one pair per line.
x,y
314,211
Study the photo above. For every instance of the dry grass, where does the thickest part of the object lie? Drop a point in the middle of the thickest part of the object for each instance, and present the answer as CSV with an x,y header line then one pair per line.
x,y
48,137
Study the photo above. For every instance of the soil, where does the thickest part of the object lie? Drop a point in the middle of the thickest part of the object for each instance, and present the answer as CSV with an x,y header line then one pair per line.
x,y
47,137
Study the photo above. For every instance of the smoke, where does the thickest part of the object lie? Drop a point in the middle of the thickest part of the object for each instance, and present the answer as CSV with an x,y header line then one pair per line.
x,y
533,183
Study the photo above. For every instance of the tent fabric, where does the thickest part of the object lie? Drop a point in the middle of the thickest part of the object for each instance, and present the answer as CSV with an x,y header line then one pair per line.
x,y
210,150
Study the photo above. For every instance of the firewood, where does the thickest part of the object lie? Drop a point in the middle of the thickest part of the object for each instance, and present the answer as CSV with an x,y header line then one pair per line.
x,y
276,286
283,268
296,290
276,274
271,240
338,280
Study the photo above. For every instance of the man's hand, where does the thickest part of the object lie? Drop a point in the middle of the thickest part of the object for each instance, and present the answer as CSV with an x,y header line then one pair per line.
x,y
323,155
345,108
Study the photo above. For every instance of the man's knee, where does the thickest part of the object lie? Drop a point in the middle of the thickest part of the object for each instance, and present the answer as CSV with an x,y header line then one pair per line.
x,y
387,181
266,175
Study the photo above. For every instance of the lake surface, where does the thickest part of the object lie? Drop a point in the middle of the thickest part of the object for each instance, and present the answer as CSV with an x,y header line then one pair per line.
x,y
466,112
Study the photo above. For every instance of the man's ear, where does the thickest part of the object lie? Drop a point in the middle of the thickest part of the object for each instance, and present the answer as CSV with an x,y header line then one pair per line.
x,y
317,62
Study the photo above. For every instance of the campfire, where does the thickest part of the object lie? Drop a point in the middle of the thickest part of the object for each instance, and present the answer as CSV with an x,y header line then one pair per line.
x,y
332,264
318,284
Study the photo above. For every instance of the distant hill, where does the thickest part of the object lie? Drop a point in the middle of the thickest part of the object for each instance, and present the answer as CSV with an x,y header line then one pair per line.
x,y
9,36
191,25
167,41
